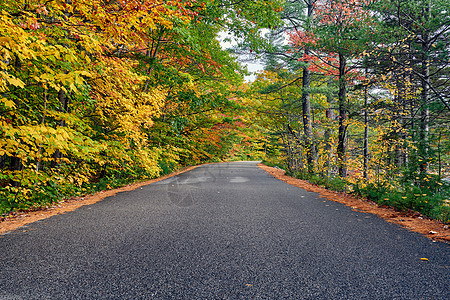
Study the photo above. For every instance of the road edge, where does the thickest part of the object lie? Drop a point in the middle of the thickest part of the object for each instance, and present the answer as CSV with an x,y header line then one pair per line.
x,y
435,230
21,218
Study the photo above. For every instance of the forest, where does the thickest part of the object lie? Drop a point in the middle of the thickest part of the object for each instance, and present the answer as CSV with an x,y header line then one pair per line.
x,y
354,95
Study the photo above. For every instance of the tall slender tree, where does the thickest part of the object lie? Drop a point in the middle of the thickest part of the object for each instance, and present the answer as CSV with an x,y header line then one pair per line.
x,y
339,35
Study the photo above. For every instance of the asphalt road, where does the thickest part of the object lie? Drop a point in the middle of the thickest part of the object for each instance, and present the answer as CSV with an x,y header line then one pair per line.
x,y
221,231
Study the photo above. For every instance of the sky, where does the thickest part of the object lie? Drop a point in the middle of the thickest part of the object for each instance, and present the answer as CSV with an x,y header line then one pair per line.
x,y
252,65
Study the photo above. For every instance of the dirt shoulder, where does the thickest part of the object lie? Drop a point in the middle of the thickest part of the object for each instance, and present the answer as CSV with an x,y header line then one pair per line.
x,y
22,218
415,222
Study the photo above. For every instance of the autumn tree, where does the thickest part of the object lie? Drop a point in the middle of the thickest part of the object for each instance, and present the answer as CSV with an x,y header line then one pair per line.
x,y
96,94
415,49
340,33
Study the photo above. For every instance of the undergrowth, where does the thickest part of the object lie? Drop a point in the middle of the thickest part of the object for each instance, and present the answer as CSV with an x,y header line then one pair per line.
x,y
45,192
427,195
432,199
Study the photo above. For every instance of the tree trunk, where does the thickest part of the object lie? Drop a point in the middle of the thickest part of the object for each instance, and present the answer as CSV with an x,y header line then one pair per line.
x,y
329,114
15,162
342,134
425,112
366,134
306,105
39,158
64,105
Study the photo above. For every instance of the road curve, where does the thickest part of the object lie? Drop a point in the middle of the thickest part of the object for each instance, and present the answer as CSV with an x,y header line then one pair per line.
x,y
221,231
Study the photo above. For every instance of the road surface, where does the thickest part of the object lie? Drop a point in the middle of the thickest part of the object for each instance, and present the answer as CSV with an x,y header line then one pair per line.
x,y
221,231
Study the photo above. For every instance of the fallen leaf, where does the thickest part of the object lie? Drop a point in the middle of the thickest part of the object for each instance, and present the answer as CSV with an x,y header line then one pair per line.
x,y
423,258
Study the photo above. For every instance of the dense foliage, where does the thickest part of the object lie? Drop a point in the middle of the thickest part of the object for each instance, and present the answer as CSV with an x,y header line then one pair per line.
x,y
95,94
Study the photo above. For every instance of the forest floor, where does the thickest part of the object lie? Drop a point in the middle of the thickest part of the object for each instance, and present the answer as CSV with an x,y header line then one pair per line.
x,y
410,220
